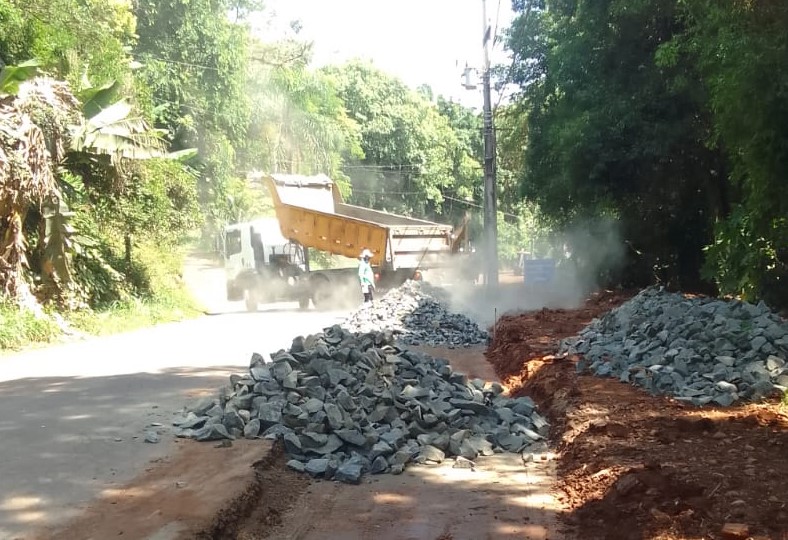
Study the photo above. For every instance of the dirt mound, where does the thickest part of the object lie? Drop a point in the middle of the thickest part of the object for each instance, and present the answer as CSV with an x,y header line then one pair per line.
x,y
521,339
635,466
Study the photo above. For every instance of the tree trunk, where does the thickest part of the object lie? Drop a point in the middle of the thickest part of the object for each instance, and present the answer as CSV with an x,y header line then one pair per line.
x,y
127,248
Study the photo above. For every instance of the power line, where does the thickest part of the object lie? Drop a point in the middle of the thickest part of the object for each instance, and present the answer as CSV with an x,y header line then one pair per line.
x,y
476,205
447,197
376,192
497,19
188,64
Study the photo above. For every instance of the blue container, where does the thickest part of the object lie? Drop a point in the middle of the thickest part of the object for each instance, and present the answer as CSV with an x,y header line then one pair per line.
x,y
538,271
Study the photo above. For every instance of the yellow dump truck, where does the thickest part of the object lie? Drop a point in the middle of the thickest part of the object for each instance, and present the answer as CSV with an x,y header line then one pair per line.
x,y
266,265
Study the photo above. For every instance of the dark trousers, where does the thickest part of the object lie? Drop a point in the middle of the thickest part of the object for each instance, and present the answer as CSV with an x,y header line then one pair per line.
x,y
368,296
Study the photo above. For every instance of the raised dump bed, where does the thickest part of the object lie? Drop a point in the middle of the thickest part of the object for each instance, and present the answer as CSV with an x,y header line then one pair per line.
x,y
311,212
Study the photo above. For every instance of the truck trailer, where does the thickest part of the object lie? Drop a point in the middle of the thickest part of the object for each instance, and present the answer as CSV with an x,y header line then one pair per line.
x,y
268,259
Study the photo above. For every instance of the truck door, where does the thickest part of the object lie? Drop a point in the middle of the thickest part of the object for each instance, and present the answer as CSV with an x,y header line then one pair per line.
x,y
258,250
232,253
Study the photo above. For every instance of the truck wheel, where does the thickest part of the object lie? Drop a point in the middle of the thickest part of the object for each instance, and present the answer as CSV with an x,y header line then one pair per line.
x,y
251,300
321,293
303,303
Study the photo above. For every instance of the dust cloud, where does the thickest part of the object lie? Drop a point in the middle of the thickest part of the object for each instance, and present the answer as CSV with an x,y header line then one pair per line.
x,y
587,256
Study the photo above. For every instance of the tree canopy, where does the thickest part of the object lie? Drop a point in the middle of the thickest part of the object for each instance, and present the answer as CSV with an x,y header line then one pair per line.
x,y
665,117
669,116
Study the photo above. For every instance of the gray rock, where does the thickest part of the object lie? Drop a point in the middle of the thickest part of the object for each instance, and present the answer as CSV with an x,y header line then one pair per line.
x,y
349,472
334,416
212,432
333,444
191,421
351,436
202,406
296,465
394,438
379,465
757,343
275,431
513,443
476,408
280,370
416,312
725,386
463,463
726,360
505,414
347,404
293,444
692,348
725,399
430,453
215,411
252,429
761,389
313,405
380,448
774,363
232,420
290,381
269,414
152,437
317,466
401,457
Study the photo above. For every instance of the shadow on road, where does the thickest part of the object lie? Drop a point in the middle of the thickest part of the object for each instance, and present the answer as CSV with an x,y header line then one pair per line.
x,y
65,440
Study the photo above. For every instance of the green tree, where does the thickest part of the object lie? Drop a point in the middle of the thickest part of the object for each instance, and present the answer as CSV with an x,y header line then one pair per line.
x,y
613,133
193,84
299,123
739,50
410,149
74,40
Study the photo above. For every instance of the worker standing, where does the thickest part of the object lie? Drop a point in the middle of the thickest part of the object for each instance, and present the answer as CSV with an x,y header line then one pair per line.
x,y
365,275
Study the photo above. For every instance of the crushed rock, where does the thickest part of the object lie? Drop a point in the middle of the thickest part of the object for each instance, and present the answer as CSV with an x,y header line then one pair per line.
x,y
700,350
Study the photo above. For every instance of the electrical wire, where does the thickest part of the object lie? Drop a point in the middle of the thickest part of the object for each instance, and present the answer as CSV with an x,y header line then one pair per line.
x,y
476,205
497,19
187,64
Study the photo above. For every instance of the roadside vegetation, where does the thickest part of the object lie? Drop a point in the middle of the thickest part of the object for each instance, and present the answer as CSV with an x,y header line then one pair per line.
x,y
127,130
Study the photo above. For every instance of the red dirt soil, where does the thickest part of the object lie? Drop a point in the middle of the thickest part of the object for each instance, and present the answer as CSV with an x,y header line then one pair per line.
x,y
635,466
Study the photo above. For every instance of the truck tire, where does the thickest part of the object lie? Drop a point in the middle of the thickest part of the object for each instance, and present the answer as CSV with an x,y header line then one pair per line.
x,y
321,292
234,293
251,300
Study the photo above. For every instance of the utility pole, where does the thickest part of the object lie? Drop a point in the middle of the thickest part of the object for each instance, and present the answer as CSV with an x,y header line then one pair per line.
x,y
490,196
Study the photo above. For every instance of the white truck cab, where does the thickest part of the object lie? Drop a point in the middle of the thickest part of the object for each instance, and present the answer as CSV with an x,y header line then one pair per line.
x,y
260,264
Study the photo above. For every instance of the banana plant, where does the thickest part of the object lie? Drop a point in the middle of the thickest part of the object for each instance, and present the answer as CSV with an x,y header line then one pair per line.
x,y
57,242
12,76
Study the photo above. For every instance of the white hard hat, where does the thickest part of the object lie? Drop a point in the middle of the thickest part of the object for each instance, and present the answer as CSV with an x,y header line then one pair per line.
x,y
366,253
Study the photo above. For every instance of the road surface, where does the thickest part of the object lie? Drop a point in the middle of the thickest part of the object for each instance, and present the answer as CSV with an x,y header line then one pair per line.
x,y
73,417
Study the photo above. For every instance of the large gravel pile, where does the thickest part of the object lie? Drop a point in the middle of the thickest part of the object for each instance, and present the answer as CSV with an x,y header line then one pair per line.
x,y
700,350
417,315
347,404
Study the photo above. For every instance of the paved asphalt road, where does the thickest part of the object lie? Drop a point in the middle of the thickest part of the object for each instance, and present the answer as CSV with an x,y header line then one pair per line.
x,y
72,417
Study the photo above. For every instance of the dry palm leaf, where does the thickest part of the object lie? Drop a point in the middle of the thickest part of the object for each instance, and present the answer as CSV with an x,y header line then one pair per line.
x,y
25,177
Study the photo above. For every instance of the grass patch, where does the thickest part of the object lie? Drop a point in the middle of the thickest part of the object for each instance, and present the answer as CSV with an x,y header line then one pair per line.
x,y
165,297
135,314
19,328
161,297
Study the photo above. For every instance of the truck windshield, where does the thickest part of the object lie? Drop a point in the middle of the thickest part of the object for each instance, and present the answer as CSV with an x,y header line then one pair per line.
x,y
232,243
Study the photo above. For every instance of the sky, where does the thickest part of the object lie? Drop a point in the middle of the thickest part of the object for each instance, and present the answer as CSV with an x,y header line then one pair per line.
x,y
419,41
